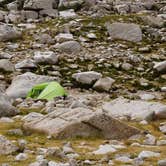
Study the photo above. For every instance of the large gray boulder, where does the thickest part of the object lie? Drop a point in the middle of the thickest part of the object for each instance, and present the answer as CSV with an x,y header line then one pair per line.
x,y
6,146
80,122
135,110
8,33
6,108
38,4
124,31
22,84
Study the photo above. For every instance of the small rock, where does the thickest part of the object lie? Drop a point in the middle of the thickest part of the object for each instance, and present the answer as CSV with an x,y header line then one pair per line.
x,y
153,21
122,8
16,132
8,33
124,159
54,152
53,13
45,39
110,163
138,162
148,154
13,17
143,122
48,57
127,66
162,162
161,113
160,66
26,64
72,156
63,37
77,104
66,14
5,164
6,108
40,157
21,157
32,116
2,15
27,25
91,36
163,89
135,144
38,4
27,14
67,149
104,149
6,146
87,77
150,140
163,128
12,47
6,120
6,65
63,4
52,163
161,142
144,49
72,162
69,47
43,162
88,162
22,144
147,96
5,55
104,84
38,105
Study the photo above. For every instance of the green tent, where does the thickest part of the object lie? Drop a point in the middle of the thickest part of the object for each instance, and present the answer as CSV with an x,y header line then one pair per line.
x,y
47,91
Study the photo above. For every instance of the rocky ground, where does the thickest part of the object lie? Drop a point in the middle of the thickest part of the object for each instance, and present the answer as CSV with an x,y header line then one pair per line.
x,y
110,55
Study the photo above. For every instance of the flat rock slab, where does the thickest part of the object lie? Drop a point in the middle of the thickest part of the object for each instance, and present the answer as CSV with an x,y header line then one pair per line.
x,y
80,122
22,84
135,110
124,31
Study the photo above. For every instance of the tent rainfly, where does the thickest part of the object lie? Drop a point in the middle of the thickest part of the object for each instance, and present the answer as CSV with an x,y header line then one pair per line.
x,y
47,91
